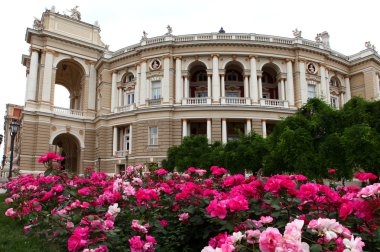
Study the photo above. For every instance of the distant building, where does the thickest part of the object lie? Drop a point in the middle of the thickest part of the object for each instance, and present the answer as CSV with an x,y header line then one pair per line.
x,y
13,113
132,104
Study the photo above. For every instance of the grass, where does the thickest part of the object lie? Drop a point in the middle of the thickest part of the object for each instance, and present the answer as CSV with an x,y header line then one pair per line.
x,y
12,237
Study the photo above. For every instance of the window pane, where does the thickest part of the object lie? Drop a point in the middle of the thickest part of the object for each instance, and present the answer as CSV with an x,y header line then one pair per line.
x,y
156,89
153,138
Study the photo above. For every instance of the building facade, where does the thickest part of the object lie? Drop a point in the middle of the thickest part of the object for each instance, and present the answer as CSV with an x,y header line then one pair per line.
x,y
132,104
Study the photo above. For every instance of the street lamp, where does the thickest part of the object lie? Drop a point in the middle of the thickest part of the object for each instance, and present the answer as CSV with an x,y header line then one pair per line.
x,y
99,159
13,127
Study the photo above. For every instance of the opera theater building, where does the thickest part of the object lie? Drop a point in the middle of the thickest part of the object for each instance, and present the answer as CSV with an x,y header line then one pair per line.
x,y
131,105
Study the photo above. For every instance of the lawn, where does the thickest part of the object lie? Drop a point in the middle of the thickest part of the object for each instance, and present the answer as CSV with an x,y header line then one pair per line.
x,y
12,237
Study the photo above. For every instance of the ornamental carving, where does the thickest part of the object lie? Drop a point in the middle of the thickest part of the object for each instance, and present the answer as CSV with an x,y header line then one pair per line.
x,y
311,68
155,64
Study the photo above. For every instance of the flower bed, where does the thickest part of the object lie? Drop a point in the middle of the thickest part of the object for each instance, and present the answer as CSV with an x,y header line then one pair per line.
x,y
195,211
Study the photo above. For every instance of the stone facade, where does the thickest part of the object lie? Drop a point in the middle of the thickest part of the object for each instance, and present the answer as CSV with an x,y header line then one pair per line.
x,y
131,105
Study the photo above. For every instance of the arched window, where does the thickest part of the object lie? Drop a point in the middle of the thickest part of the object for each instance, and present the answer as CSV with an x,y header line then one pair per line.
x,y
128,78
202,76
334,82
232,76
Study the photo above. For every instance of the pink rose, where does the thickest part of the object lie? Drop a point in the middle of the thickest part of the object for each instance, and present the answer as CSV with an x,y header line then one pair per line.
x,y
269,239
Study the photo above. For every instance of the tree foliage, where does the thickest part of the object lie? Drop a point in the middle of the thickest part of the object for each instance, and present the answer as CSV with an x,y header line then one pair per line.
x,y
313,140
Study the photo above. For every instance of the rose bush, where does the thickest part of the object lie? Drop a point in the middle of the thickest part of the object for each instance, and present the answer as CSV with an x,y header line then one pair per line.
x,y
193,211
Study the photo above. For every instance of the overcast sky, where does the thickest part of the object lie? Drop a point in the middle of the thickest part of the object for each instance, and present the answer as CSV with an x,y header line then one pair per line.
x,y
350,23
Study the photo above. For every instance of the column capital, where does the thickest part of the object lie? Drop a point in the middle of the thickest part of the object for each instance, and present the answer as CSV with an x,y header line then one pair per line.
x,y
289,60
115,71
90,62
136,65
209,72
33,49
215,55
252,56
166,56
259,73
177,57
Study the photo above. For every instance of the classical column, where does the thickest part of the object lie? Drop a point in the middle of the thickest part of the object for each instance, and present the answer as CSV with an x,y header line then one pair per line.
x,y
224,131
114,91
184,128
246,86
178,80
348,88
114,143
120,99
165,84
209,131
223,86
143,86
303,83
125,99
31,87
48,69
260,87
186,87
137,87
215,79
282,89
289,83
377,88
253,94
264,127
323,83
92,87
130,139
208,85
327,87
249,126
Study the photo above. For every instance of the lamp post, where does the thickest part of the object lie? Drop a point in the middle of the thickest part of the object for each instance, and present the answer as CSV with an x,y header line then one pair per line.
x,y
126,161
99,159
13,127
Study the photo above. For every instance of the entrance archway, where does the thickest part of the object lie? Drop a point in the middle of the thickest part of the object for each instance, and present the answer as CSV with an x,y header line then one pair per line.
x,y
68,146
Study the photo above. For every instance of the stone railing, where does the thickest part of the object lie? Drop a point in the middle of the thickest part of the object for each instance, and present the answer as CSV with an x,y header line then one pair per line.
x,y
154,102
235,101
121,153
68,112
274,103
196,101
244,37
125,108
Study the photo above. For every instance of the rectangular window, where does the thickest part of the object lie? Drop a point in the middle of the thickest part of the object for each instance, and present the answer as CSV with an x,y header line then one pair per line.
x,y
311,91
130,98
334,102
126,138
156,90
153,136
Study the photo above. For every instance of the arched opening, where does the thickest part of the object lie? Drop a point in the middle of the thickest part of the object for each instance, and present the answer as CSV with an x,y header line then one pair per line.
x,y
71,76
270,85
61,96
336,92
127,89
68,146
198,80
234,82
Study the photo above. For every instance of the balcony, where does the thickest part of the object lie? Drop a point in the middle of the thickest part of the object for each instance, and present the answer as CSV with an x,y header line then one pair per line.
x,y
68,112
196,101
121,153
274,103
154,102
126,108
235,101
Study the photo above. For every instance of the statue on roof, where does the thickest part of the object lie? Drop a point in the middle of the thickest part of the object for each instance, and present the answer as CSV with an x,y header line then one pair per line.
x,y
369,45
170,30
144,36
297,34
37,24
75,14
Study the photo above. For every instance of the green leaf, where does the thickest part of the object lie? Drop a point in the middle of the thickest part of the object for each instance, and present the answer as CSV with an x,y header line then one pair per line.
x,y
48,171
315,248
